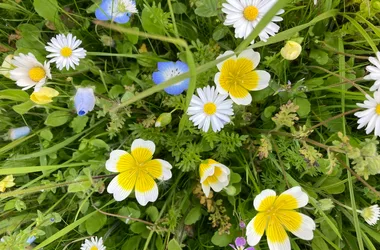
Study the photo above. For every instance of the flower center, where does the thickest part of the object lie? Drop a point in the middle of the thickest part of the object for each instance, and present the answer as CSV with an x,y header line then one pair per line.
x,y
378,109
94,248
37,74
66,52
250,13
121,7
209,108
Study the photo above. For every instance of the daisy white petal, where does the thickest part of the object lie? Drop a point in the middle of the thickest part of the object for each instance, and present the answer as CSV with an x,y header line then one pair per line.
x,y
374,71
93,244
371,116
371,214
207,109
64,50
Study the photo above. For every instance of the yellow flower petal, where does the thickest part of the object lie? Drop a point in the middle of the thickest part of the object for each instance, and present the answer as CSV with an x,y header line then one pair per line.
x,y
264,201
142,151
146,189
276,235
291,199
299,224
44,95
256,228
7,182
291,50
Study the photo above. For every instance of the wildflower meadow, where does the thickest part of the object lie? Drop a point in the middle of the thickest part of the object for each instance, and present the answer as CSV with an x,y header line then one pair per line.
x,y
189,124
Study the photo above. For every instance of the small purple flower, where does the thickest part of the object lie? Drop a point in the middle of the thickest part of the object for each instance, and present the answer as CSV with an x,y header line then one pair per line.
x,y
242,224
16,133
240,243
118,11
168,70
84,101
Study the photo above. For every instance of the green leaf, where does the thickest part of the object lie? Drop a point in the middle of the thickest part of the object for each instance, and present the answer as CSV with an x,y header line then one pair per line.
x,y
57,118
179,8
319,244
132,243
133,38
79,123
221,240
154,20
138,227
82,185
220,32
14,95
320,56
193,216
152,212
208,8
329,187
23,107
98,143
304,106
46,134
174,245
96,223
132,210
115,91
49,10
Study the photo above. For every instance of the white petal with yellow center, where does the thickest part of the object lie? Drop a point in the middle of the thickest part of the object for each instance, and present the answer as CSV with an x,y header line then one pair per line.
x,y
142,150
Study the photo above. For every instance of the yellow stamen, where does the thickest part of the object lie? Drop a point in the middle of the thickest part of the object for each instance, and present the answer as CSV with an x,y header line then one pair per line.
x,y
94,248
378,109
250,13
66,52
37,74
209,108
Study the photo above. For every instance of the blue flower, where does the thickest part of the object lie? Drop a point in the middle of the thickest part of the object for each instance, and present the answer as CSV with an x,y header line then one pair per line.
x,y
118,11
31,239
16,133
168,70
84,100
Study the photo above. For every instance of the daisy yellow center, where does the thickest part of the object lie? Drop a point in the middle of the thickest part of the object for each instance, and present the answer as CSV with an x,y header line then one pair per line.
x,y
378,109
238,76
37,74
209,108
250,13
94,248
66,52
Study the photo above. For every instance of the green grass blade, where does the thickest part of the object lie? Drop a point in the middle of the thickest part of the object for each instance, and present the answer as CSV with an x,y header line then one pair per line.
x,y
33,169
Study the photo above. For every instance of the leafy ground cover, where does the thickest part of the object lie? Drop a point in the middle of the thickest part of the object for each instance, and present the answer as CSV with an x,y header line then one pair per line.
x,y
174,125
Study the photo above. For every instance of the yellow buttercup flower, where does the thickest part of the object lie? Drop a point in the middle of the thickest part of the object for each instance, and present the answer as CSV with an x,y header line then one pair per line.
x,y
237,76
291,50
275,214
44,95
137,171
213,175
7,182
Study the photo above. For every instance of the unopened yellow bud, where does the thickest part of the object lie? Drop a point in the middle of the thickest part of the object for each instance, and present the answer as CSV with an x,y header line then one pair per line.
x,y
291,50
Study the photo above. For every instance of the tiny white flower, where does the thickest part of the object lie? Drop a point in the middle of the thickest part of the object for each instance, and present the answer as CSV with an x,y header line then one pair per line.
x,y
93,244
29,72
244,15
371,116
371,214
374,71
65,51
210,108
315,2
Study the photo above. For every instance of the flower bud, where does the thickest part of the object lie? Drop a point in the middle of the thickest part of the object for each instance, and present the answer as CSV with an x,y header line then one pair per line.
x,y
163,120
16,133
230,190
326,204
84,100
44,95
7,66
291,50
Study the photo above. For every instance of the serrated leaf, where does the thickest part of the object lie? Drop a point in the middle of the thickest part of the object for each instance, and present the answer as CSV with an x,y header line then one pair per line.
x,y
57,118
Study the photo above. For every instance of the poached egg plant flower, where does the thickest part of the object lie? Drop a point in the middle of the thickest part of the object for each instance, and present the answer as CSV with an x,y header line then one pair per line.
x,y
29,72
213,175
210,108
93,244
374,71
137,171
118,11
44,95
291,50
275,214
244,15
65,51
237,76
371,116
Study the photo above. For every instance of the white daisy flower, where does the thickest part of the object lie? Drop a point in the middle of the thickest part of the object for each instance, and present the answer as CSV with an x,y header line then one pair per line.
x,y
371,214
371,116
64,51
244,15
374,71
29,72
93,244
210,108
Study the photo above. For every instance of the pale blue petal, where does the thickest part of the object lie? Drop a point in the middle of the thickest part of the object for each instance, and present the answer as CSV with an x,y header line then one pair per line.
x,y
16,133
158,77
182,66
178,88
102,13
84,101
163,66
122,19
